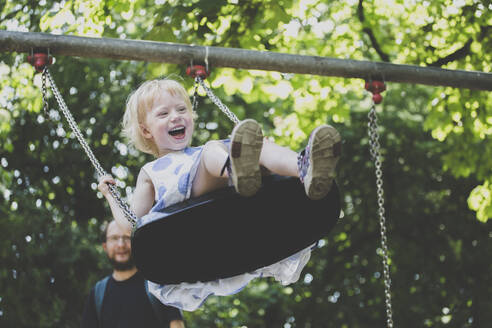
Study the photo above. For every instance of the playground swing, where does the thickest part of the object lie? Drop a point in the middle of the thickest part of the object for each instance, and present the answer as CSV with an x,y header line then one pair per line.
x,y
198,256
280,202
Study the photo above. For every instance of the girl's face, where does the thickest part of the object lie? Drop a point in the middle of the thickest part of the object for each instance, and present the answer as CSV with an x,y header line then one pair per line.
x,y
168,124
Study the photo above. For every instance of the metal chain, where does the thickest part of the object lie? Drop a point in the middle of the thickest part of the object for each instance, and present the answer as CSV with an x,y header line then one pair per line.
x,y
376,156
45,101
217,102
129,214
195,95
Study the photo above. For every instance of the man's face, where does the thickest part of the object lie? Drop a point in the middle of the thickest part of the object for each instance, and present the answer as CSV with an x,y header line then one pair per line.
x,y
118,247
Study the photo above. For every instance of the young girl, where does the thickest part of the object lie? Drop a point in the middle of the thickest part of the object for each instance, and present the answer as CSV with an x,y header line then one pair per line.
x,y
159,120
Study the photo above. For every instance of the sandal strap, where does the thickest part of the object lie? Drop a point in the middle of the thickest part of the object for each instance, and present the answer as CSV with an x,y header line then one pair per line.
x,y
302,163
227,165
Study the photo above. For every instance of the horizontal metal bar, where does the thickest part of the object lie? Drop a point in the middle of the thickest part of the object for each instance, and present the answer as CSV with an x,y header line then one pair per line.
x,y
152,51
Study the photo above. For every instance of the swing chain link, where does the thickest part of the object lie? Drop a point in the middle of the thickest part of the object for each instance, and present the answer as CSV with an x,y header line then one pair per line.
x,y
44,93
217,102
194,104
129,214
376,156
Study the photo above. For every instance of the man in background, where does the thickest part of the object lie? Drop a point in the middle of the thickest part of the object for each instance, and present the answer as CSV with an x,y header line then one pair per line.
x,y
122,299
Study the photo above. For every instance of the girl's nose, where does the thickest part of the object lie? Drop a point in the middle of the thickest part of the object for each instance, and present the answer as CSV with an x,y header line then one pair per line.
x,y
174,115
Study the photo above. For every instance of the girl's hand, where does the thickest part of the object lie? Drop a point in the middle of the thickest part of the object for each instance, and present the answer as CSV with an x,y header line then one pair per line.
x,y
103,184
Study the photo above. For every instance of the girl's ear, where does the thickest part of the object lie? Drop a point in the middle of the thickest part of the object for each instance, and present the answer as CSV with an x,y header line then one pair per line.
x,y
145,132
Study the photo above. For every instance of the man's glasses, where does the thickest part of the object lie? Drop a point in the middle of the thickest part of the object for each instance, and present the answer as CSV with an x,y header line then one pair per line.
x,y
115,239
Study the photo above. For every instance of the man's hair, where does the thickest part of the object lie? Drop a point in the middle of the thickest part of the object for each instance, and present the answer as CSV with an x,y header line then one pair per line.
x,y
140,102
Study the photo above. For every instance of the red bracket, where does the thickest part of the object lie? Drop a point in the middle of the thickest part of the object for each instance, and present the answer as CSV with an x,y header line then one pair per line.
x,y
376,87
197,70
40,61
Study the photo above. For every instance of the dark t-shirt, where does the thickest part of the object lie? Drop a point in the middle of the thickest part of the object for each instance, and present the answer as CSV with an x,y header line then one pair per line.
x,y
125,305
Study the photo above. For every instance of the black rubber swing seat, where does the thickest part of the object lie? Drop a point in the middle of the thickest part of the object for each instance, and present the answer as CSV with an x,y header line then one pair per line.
x,y
223,234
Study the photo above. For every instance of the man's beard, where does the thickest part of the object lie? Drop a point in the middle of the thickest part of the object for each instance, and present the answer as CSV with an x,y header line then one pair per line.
x,y
122,266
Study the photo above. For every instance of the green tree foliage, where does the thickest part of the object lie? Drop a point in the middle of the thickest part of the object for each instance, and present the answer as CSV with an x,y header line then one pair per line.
x,y
435,144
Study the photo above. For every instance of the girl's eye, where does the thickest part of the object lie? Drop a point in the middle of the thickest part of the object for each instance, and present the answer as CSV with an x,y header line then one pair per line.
x,y
163,114
182,109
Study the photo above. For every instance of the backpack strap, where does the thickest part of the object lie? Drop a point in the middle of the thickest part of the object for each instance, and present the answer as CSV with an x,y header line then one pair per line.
x,y
99,291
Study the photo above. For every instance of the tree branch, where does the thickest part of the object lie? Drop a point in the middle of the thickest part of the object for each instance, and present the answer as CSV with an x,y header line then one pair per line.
x,y
458,54
484,32
10,15
463,51
375,44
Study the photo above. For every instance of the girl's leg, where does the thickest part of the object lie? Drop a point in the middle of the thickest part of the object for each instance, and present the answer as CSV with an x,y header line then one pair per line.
x,y
316,164
279,160
243,164
208,178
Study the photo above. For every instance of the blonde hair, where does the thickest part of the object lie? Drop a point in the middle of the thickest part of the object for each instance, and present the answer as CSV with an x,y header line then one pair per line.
x,y
139,102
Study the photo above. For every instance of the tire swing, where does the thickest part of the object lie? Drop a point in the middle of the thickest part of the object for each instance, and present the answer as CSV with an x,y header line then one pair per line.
x,y
220,234
231,234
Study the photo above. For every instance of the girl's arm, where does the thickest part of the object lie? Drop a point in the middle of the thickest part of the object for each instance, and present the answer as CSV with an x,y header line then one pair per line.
x,y
142,199
176,324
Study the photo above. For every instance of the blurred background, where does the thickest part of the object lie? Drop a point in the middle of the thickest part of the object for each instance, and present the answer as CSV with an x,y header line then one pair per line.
x,y
435,143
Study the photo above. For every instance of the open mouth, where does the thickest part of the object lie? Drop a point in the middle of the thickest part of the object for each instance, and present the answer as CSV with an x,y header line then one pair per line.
x,y
177,132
